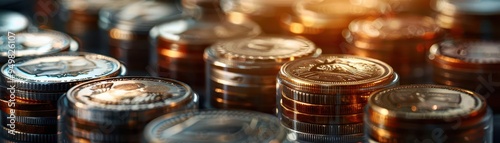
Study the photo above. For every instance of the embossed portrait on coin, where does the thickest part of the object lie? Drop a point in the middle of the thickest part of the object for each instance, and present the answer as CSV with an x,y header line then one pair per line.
x,y
337,70
61,68
425,101
128,93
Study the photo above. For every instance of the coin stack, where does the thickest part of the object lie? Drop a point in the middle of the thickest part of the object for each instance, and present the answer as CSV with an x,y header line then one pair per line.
x,y
469,64
181,43
242,72
129,30
266,13
32,44
215,126
477,19
322,21
117,109
81,22
32,86
402,41
321,99
428,113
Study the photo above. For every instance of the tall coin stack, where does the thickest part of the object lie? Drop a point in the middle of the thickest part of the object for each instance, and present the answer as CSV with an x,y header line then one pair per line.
x,y
469,64
242,72
402,41
215,126
321,99
129,30
182,42
477,19
322,21
32,86
117,109
428,113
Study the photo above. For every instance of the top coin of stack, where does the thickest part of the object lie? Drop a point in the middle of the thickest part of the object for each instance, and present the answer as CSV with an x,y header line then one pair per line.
x,y
242,72
401,41
423,113
321,99
470,64
117,109
215,126
469,18
32,86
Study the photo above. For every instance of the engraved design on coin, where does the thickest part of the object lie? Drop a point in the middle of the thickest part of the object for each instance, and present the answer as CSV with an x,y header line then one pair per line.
x,y
337,70
128,93
416,101
61,68
473,52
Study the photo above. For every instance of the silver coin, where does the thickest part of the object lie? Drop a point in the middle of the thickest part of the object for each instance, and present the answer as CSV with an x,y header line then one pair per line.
x,y
214,126
58,72
12,22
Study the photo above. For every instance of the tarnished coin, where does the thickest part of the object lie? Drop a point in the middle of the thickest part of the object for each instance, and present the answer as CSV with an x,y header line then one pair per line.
x,y
58,72
215,126
126,99
333,74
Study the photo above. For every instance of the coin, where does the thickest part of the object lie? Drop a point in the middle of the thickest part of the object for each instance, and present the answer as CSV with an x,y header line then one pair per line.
x,y
31,44
31,120
333,74
324,129
322,99
26,105
32,129
321,119
215,126
461,54
297,136
322,109
28,137
58,72
137,98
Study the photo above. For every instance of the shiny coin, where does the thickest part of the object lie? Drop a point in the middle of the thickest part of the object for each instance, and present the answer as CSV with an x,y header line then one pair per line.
x,y
321,119
215,126
58,72
296,136
322,109
138,98
333,74
29,44
324,129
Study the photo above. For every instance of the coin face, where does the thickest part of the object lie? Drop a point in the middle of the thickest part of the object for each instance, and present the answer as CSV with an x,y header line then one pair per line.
x,y
480,52
337,70
215,126
264,48
35,43
131,93
63,67
394,28
425,102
